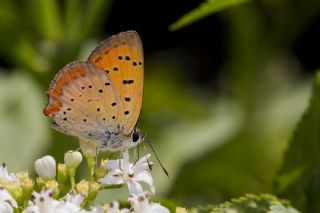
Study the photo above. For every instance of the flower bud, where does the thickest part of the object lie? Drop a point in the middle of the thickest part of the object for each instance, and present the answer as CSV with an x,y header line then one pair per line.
x,y
27,184
72,159
100,172
94,188
27,188
82,187
46,167
14,188
54,186
89,149
41,182
62,176
181,210
22,175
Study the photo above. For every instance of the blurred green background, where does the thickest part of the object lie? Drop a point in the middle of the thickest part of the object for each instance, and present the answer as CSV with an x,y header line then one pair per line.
x,y
224,87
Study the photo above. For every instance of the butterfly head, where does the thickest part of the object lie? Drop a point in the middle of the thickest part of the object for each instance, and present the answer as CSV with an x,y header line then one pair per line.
x,y
137,137
117,140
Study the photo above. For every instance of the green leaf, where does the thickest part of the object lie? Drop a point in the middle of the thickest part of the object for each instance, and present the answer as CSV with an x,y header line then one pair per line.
x,y
280,208
254,204
96,14
47,17
299,177
84,20
205,9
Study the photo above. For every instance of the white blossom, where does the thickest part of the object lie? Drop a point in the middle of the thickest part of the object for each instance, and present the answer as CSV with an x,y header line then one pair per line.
x,y
124,172
4,174
44,203
93,209
113,207
46,167
6,202
73,202
140,204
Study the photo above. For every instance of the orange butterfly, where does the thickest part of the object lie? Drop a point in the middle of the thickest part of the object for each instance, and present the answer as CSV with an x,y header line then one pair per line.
x,y
100,100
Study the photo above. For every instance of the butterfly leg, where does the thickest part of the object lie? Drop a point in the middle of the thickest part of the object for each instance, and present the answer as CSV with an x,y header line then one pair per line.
x,y
149,164
97,159
136,154
121,157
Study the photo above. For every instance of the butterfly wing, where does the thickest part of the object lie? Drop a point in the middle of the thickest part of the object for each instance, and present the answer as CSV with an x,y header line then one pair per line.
x,y
82,101
121,56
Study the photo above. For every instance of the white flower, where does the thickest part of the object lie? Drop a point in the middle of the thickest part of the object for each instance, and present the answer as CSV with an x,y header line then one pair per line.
x,y
73,201
72,159
5,200
113,207
93,209
277,207
44,203
4,175
46,167
140,204
128,173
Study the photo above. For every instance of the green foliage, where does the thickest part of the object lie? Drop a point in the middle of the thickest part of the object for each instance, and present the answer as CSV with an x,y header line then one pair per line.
x,y
205,9
43,37
299,177
255,204
261,77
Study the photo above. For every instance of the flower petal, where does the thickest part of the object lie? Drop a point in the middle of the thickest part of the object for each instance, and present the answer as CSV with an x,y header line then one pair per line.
x,y
6,196
4,174
31,209
96,209
110,179
157,208
75,199
147,178
126,163
5,207
141,167
134,187
113,164
144,159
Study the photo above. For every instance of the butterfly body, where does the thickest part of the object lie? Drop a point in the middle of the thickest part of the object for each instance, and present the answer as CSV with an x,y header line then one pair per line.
x,y
99,100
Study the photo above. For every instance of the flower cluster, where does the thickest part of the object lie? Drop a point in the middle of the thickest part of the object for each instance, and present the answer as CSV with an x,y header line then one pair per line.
x,y
55,189
124,172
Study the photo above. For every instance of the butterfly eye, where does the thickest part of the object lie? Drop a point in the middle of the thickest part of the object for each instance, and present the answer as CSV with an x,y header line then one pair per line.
x,y
135,136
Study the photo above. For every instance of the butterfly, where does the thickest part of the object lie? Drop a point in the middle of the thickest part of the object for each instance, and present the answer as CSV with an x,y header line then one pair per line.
x,y
100,99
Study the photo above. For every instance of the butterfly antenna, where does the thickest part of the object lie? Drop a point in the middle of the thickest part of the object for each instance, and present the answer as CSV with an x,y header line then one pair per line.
x,y
137,153
164,170
97,159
